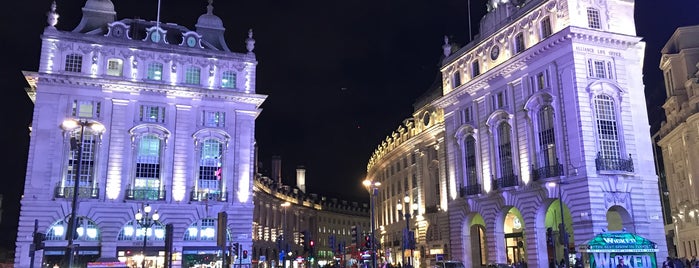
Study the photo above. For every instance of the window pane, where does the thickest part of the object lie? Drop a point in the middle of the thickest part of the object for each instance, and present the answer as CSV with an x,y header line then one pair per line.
x,y
192,75
74,63
606,126
114,67
228,79
155,71
593,18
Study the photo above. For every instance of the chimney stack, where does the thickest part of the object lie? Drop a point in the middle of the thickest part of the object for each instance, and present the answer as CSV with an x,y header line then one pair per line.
x,y
301,178
277,169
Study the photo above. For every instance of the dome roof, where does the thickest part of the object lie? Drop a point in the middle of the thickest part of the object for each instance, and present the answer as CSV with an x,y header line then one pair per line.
x,y
99,5
209,20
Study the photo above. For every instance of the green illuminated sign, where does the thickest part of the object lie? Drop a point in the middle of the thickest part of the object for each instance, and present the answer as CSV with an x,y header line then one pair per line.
x,y
608,249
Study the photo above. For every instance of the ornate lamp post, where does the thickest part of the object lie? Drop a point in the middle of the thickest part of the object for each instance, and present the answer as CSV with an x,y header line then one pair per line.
x,y
71,125
407,240
373,188
146,220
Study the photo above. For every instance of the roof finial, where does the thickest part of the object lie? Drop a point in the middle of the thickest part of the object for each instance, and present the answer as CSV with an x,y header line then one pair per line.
x,y
210,8
52,19
446,48
249,42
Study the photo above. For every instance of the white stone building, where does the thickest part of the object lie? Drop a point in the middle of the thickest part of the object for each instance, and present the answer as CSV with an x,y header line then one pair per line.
x,y
546,105
178,112
679,134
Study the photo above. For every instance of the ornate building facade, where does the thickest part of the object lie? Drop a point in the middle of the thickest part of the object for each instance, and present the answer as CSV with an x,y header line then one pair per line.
x,y
285,216
538,142
679,135
547,133
177,112
413,197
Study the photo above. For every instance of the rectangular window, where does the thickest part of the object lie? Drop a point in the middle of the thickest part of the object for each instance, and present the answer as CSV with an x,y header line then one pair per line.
x,y
541,81
115,67
466,115
456,80
546,28
85,109
475,68
152,114
593,18
519,43
155,71
228,79
213,119
600,69
74,63
192,75
499,100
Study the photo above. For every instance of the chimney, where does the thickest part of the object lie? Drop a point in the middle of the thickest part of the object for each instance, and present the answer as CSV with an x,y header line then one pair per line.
x,y
301,178
277,169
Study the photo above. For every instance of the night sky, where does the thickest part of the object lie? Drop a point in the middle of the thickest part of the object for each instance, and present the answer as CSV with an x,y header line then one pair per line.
x,y
340,75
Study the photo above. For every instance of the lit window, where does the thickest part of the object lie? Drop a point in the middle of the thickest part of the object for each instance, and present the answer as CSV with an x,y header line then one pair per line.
x,y
547,139
607,132
87,161
115,67
546,28
210,166
86,109
213,119
74,63
228,79
593,18
86,230
470,160
134,232
202,230
152,114
155,71
192,75
505,150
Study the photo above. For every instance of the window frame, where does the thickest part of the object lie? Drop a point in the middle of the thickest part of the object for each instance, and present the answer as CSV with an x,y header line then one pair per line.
x,y
192,75
594,18
230,75
546,27
152,69
118,72
73,63
519,44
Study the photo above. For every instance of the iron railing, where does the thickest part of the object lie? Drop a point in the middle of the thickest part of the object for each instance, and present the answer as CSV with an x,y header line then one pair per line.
x,y
204,195
505,181
614,163
547,172
145,194
472,189
83,192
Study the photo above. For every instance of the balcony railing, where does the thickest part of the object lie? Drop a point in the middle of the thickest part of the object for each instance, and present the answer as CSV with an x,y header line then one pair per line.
x,y
505,181
83,192
473,189
145,194
547,172
614,163
208,195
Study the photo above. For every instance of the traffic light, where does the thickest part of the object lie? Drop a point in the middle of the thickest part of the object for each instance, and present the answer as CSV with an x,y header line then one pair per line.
x,y
245,254
236,249
354,234
367,241
312,245
302,241
39,241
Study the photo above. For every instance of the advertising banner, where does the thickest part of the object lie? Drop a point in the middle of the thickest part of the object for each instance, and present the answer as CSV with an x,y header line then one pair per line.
x,y
619,250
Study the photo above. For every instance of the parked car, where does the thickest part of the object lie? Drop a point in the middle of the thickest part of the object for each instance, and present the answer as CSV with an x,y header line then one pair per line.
x,y
448,264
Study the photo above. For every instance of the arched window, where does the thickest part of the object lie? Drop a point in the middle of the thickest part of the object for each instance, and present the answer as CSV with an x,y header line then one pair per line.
x,y
593,18
147,174
504,148
470,151
86,230
607,132
210,171
74,63
133,231
547,138
82,155
155,71
205,230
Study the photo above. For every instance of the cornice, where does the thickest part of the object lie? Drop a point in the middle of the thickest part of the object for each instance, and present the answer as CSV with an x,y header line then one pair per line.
x,y
148,88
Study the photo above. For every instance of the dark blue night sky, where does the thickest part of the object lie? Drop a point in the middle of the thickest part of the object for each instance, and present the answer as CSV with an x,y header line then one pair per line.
x,y
340,75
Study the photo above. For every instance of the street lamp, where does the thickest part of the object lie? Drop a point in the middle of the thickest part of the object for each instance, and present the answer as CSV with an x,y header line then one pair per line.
x,y
407,239
283,244
71,125
146,220
564,234
373,188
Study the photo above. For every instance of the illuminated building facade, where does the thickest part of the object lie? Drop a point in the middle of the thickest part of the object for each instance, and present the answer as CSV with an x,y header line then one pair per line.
x,y
678,134
546,105
178,110
284,215
410,165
